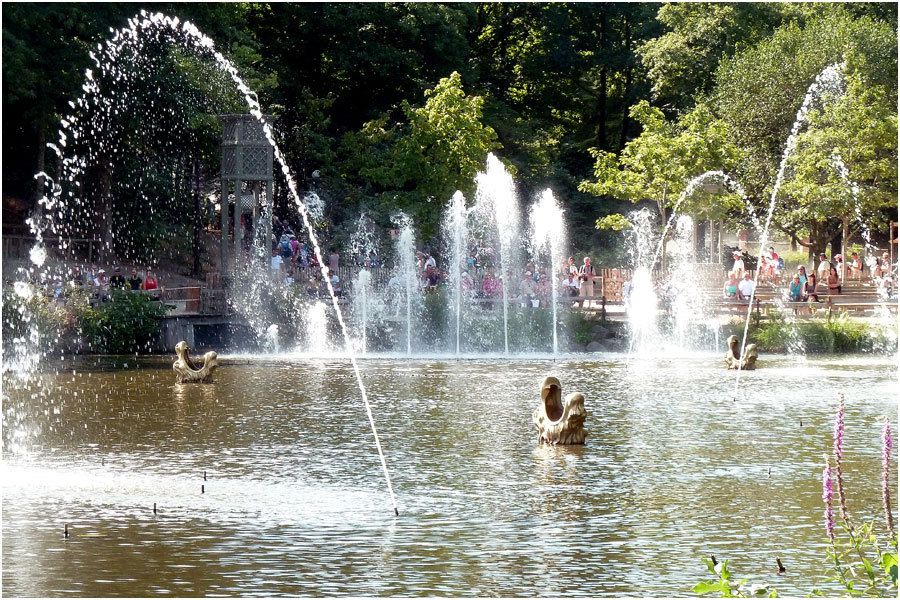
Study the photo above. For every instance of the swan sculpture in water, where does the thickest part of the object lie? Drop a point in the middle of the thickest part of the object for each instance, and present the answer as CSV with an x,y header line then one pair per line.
x,y
187,372
733,358
558,422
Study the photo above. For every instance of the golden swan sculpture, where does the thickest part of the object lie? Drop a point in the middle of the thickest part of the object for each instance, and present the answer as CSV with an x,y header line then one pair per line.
x,y
733,358
187,372
558,422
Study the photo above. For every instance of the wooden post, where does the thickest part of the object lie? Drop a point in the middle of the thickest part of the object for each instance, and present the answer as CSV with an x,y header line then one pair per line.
x,y
845,239
238,229
223,246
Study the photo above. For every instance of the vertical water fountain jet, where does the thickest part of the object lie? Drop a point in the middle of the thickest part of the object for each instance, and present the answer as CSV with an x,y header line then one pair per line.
x,y
549,240
829,81
130,41
686,299
456,236
642,302
364,301
495,197
317,330
405,269
362,292
838,163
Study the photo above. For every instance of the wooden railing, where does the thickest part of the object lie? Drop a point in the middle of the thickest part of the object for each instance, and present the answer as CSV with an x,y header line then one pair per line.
x,y
18,247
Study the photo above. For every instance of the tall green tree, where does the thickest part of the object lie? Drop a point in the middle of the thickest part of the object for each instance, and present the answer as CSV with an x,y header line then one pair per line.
x,y
658,164
759,91
860,131
417,165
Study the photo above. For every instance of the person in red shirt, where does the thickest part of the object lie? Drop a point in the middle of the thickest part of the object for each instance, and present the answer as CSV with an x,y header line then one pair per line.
x,y
150,284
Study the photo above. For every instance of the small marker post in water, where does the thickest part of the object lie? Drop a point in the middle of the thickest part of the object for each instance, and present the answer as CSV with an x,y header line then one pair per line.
x,y
154,508
66,531
202,489
204,475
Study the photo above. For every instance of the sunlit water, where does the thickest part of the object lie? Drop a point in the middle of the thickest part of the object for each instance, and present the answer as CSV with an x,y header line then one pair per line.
x,y
295,502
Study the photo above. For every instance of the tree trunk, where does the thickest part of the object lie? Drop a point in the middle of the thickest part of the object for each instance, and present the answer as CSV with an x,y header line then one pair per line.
x,y
197,217
602,93
626,91
104,228
662,213
837,243
41,164
845,237
601,111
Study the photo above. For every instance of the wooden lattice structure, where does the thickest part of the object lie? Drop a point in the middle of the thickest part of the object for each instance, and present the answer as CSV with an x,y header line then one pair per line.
x,y
247,172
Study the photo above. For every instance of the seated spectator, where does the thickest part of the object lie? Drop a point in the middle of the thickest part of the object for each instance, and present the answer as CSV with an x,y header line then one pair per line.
x,y
746,287
466,284
101,285
773,263
490,285
569,285
117,281
809,290
431,276
526,288
834,282
730,290
839,265
134,282
78,278
823,268
795,293
542,290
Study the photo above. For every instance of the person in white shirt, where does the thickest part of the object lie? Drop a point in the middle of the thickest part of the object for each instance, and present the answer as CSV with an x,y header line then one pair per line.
x,y
275,265
746,287
823,269
738,268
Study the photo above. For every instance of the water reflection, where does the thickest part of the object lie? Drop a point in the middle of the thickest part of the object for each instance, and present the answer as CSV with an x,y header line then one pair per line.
x,y
294,503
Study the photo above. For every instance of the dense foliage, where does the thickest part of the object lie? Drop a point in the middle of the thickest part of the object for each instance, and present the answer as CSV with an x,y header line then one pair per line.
x,y
396,105
127,323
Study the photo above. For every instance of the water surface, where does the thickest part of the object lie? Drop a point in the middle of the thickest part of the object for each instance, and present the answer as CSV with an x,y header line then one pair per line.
x,y
294,501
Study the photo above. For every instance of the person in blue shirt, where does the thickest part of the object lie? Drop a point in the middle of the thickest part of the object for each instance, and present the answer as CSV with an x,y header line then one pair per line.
x,y
796,291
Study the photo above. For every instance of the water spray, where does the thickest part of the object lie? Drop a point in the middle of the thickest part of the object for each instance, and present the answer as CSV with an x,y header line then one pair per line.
x,y
129,37
830,77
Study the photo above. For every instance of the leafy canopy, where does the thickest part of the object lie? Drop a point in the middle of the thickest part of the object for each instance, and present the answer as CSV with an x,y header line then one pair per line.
x,y
659,163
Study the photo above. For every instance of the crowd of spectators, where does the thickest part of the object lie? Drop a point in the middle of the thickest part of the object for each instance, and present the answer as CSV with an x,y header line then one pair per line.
x,y
99,284
827,278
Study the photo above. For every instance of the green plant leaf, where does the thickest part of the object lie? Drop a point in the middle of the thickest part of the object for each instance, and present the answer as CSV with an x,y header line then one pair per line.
x,y
889,564
707,587
870,571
